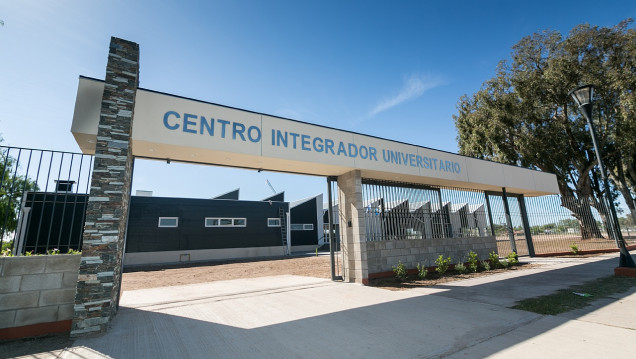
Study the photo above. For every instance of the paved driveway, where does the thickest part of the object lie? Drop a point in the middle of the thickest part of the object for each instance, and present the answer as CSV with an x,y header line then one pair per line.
x,y
303,317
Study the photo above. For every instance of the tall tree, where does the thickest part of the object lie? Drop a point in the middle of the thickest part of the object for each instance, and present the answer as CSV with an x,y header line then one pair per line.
x,y
524,115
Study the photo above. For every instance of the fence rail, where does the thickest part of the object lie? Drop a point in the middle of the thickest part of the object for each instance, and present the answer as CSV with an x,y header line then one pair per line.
x,y
43,196
398,211
44,193
527,225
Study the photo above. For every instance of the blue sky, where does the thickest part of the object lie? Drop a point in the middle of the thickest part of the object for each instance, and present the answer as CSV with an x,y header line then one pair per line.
x,y
390,69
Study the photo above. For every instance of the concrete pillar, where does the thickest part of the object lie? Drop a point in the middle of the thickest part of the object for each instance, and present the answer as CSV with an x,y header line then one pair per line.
x,y
352,227
99,277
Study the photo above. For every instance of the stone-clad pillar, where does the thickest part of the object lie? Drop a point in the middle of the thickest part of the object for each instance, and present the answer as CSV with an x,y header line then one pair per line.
x,y
99,278
353,227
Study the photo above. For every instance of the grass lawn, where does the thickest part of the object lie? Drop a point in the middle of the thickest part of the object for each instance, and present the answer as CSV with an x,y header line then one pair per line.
x,y
565,299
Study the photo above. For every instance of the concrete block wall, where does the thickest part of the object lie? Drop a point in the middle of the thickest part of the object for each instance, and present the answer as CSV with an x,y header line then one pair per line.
x,y
36,290
352,227
382,255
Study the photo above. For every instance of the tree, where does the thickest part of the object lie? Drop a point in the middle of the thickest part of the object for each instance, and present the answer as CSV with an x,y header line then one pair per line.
x,y
12,187
524,115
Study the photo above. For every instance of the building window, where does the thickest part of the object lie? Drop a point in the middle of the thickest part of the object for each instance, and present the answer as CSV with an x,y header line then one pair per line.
x,y
225,222
302,227
168,222
211,222
273,222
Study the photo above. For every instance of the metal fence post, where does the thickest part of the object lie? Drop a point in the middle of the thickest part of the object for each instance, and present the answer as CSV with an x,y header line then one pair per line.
x,y
526,225
511,231
492,225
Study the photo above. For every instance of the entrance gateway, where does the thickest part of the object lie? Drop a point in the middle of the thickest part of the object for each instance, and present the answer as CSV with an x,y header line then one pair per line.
x,y
117,121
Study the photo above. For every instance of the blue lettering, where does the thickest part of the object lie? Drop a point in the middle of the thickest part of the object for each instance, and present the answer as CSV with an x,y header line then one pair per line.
x,y
187,123
238,129
165,120
435,162
411,160
353,150
372,153
364,152
449,165
258,134
294,136
395,157
404,157
223,123
208,126
280,138
341,149
457,168
386,155
329,146
304,140
318,147
418,159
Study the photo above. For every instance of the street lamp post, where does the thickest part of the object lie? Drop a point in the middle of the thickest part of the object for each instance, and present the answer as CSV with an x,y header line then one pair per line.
x,y
583,97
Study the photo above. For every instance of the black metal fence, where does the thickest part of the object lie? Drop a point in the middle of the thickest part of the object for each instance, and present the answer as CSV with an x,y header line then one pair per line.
x,y
562,224
43,196
526,225
407,211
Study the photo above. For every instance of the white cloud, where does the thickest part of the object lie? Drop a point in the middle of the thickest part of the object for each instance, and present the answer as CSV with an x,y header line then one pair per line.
x,y
414,87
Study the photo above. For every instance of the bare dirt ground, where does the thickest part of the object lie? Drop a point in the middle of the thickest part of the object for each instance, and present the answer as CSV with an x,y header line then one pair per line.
x,y
311,266
152,277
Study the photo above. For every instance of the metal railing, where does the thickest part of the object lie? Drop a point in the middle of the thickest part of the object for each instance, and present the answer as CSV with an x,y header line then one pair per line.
x,y
43,196
559,223
527,225
399,211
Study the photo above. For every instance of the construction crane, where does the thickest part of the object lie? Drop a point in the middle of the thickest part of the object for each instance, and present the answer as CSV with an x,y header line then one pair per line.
x,y
270,186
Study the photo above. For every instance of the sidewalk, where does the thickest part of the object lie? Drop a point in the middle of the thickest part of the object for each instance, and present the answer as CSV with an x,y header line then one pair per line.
x,y
303,317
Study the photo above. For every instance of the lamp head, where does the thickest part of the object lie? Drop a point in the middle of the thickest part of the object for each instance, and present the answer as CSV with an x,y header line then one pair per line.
x,y
582,95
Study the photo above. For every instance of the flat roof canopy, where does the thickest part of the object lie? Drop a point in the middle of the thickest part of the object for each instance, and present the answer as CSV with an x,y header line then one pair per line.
x,y
172,127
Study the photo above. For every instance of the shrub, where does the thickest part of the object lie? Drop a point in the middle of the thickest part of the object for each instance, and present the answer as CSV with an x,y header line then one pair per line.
x,y
460,268
53,251
486,265
6,245
513,259
473,261
6,252
504,264
421,271
73,251
400,271
574,248
493,257
442,264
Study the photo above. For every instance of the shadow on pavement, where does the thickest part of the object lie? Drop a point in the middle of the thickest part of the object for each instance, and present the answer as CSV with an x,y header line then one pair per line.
x,y
344,320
